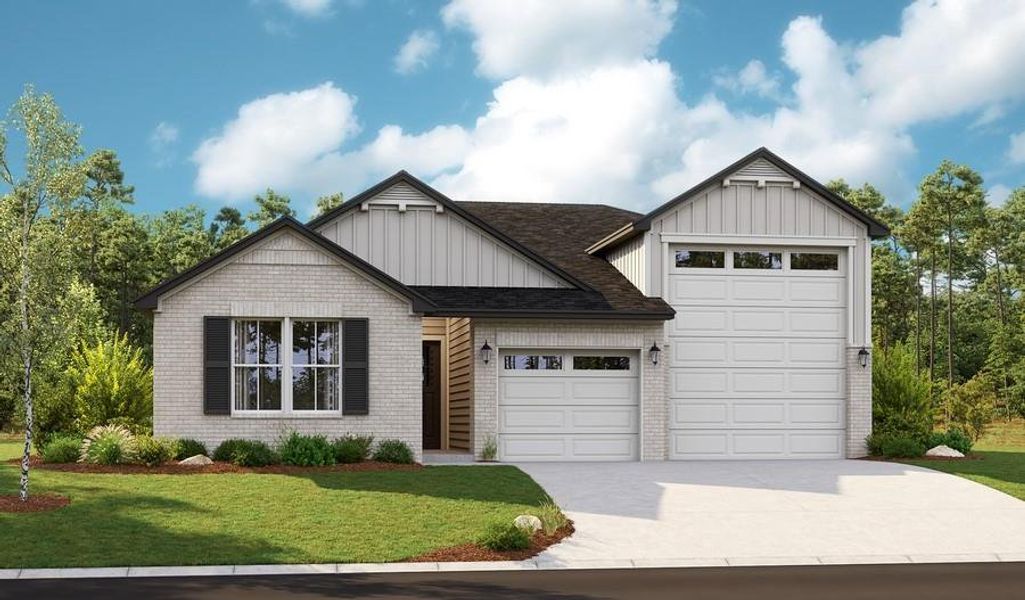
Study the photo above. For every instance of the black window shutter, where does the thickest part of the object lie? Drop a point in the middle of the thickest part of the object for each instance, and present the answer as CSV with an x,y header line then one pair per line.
x,y
217,365
355,362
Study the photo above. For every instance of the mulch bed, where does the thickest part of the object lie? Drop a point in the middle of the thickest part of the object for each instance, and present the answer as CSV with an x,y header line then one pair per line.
x,y
928,458
217,467
476,553
11,503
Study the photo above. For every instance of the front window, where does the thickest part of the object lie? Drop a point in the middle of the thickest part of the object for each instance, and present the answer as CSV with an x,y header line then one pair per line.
x,y
814,261
601,363
532,362
258,365
758,260
700,259
315,365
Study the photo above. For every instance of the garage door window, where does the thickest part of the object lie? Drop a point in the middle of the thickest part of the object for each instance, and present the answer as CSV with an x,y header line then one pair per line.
x,y
758,260
601,363
814,261
532,362
700,259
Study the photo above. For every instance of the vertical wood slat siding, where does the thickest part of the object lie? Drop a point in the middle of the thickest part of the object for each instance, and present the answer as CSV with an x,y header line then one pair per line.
x,y
355,367
217,365
448,250
629,260
460,382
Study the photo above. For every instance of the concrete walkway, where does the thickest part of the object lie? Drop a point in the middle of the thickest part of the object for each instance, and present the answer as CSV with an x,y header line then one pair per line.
x,y
777,512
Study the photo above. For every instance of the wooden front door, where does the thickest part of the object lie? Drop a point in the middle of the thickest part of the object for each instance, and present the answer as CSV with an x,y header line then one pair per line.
x,y
432,395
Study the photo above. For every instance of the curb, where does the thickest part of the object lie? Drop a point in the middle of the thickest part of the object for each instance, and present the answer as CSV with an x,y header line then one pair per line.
x,y
543,563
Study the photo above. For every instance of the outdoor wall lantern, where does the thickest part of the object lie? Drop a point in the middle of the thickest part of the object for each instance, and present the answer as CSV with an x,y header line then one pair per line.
x,y
654,352
485,352
863,357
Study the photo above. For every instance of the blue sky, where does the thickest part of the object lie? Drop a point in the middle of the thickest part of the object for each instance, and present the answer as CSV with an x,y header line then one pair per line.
x,y
623,102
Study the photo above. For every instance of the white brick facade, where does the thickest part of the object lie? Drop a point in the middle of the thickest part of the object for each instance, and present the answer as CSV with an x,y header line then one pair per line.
x,y
859,404
286,277
573,335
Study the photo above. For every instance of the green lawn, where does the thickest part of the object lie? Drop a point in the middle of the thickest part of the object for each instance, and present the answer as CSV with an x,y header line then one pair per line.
x,y
257,518
1002,463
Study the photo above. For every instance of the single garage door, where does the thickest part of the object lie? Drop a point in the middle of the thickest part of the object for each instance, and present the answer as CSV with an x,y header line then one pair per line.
x,y
568,405
757,361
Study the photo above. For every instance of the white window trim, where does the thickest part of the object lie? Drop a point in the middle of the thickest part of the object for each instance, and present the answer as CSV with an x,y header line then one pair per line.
x,y
286,373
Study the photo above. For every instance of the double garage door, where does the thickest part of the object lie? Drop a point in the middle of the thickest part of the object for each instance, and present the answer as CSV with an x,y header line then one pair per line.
x,y
568,405
758,353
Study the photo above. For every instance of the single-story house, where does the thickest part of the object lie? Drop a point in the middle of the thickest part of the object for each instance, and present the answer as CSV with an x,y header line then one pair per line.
x,y
733,321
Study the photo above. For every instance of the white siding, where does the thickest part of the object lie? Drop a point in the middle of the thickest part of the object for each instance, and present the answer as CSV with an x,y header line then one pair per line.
x,y
777,211
403,234
629,260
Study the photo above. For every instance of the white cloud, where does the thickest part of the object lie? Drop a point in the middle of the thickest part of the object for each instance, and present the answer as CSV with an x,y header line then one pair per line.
x,y
997,194
309,8
752,79
1016,149
545,37
951,56
162,141
585,111
273,140
419,48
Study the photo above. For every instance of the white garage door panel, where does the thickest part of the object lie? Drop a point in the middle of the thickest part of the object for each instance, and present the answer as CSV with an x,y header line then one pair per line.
x,y
761,413
773,290
719,352
568,414
756,383
711,445
545,391
757,321
568,419
527,447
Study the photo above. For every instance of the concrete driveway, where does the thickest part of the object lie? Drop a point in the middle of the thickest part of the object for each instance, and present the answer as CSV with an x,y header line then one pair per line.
x,y
785,512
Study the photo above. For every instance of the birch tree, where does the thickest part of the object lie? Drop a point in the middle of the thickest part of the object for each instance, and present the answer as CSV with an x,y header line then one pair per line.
x,y
35,193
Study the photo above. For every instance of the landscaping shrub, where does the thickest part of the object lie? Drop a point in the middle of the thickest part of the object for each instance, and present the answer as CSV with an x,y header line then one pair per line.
x,y
108,445
954,438
901,397
62,448
490,450
187,448
152,451
971,405
306,450
552,517
504,536
393,451
111,381
245,453
895,445
352,448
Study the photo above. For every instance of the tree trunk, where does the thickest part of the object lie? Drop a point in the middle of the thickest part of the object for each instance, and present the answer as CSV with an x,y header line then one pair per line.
x,y
950,298
26,348
932,315
1002,315
918,313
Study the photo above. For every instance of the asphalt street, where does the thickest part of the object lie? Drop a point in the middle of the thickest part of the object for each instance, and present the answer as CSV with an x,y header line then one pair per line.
x,y
906,582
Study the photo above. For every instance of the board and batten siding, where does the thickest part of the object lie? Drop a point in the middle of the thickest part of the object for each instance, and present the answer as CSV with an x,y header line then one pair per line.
x,y
403,234
629,260
776,211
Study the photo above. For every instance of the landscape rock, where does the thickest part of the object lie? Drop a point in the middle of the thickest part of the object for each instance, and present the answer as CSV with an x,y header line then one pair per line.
x,y
944,451
197,460
529,523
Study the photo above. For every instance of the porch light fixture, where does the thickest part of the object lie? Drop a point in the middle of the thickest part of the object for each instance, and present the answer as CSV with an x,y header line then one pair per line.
x,y
485,352
654,352
863,357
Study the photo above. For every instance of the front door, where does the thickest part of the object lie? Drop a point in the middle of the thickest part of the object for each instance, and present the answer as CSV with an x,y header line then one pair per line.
x,y
432,395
